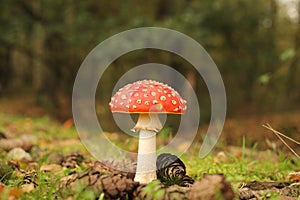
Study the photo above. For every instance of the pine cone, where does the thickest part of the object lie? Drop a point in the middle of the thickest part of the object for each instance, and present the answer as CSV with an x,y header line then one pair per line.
x,y
117,166
72,159
102,178
211,187
171,170
30,177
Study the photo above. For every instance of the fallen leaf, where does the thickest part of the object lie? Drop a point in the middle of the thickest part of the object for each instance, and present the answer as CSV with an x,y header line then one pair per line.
x,y
294,176
51,168
15,192
1,187
9,144
19,154
68,124
221,157
27,187
55,158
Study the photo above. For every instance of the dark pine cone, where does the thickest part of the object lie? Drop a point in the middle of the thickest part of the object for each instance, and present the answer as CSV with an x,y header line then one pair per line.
x,y
171,170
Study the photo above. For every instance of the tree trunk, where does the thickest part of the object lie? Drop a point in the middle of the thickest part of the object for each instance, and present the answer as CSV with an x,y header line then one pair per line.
x,y
39,69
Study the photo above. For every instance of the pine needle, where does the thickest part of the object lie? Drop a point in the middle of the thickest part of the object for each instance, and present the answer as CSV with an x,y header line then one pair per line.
x,y
280,135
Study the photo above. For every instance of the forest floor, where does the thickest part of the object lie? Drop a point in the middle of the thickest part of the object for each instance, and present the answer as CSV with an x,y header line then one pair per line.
x,y
43,158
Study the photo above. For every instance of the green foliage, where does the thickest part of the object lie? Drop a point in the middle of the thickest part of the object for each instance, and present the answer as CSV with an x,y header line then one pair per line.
x,y
287,54
154,189
264,78
245,169
81,193
6,172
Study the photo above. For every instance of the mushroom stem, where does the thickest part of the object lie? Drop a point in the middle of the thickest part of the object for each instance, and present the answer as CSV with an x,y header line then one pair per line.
x,y
148,125
146,161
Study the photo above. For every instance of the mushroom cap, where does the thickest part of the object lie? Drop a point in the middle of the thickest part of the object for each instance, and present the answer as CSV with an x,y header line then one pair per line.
x,y
147,96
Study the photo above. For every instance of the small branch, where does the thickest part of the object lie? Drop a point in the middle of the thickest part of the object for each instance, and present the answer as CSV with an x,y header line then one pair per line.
x,y
280,135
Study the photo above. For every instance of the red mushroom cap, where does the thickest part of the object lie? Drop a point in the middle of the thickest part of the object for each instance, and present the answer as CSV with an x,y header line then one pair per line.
x,y
147,96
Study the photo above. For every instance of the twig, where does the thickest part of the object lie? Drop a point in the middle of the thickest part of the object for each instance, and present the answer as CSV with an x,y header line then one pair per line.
x,y
280,135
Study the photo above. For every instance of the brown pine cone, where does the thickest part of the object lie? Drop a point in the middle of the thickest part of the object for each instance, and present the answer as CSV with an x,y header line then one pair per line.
x,y
211,187
72,159
117,166
101,178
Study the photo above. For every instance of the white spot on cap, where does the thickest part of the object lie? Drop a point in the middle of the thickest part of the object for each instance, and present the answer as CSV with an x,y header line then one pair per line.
x,y
146,102
136,94
154,101
163,98
174,102
153,93
139,101
145,95
123,97
134,106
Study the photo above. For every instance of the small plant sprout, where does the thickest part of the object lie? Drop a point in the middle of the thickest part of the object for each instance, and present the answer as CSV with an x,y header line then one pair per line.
x,y
148,99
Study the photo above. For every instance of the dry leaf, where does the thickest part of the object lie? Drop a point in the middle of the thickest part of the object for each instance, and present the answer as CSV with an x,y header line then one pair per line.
x,y
15,192
9,144
51,168
27,187
294,176
19,154
68,124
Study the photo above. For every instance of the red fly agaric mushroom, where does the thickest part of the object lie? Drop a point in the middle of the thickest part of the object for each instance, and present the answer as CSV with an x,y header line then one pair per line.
x,y
148,99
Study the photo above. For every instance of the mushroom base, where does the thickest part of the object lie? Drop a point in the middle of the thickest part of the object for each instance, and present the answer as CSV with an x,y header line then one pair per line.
x,y
145,178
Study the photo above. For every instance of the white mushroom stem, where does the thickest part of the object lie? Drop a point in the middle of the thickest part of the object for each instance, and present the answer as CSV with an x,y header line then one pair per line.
x,y
148,125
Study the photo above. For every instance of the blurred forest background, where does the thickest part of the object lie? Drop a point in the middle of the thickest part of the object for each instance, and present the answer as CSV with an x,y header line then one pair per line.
x,y
254,43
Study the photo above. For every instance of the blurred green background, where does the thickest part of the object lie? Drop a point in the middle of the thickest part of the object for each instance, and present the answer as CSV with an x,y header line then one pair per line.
x,y
254,43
